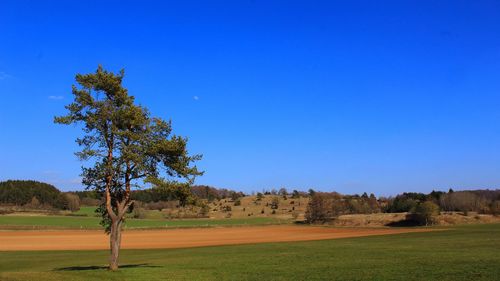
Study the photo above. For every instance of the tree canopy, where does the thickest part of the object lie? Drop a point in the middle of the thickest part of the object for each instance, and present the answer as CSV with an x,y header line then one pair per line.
x,y
126,145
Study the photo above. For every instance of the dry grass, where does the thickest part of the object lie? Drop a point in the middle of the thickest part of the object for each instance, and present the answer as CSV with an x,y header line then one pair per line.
x,y
383,219
251,207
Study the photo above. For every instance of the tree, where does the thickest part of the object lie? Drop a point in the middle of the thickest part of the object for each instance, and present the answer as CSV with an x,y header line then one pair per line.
x,y
283,191
73,202
311,192
127,146
259,196
462,201
425,213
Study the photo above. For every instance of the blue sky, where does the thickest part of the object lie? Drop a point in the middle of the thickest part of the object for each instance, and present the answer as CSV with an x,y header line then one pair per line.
x,y
352,96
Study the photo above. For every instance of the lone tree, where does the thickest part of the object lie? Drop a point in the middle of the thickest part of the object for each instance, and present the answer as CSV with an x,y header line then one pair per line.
x,y
127,148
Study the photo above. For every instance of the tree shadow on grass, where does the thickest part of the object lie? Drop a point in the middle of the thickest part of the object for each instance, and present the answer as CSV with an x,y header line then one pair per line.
x,y
97,267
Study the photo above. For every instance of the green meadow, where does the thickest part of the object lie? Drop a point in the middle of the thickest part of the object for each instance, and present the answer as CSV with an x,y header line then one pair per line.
x,y
84,222
469,252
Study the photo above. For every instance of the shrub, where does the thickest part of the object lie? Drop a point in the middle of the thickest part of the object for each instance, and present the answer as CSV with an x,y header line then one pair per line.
x,y
259,196
237,202
425,213
204,210
160,205
275,203
73,202
139,213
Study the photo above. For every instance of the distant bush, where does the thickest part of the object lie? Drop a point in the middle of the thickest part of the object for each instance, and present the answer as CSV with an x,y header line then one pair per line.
x,y
237,202
275,203
139,213
425,213
160,205
260,196
73,202
204,210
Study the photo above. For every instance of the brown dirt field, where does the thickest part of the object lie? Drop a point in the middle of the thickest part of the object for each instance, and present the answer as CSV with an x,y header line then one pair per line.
x,y
180,238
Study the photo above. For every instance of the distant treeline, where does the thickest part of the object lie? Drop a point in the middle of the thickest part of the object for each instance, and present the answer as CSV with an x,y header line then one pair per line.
x,y
150,195
481,201
325,206
38,194
35,194
211,193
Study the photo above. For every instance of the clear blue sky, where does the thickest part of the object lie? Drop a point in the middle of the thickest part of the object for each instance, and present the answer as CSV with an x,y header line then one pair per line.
x,y
352,96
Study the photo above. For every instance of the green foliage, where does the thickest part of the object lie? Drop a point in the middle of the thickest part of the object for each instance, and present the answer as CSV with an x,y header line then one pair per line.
x,y
28,192
425,213
127,146
260,196
402,203
311,192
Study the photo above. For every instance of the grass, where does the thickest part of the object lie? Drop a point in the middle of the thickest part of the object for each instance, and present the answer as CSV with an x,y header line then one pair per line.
x,y
89,211
43,222
463,253
86,211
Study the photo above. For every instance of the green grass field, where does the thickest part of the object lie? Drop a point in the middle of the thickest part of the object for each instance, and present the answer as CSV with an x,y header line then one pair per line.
x,y
463,253
87,211
42,222
90,212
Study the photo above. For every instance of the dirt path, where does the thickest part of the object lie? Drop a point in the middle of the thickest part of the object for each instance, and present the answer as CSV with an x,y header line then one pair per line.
x,y
179,238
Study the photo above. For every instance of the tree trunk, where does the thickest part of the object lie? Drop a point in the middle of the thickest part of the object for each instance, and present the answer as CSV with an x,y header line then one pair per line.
x,y
115,239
